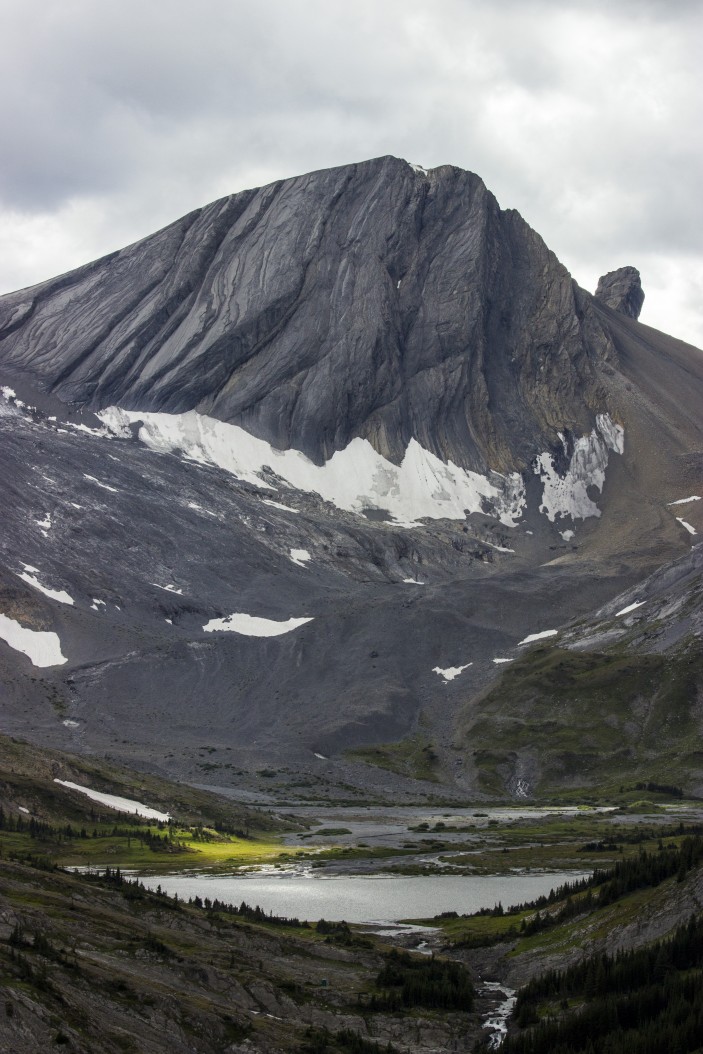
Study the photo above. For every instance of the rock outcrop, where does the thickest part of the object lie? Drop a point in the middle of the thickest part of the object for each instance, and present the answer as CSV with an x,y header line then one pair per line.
x,y
622,290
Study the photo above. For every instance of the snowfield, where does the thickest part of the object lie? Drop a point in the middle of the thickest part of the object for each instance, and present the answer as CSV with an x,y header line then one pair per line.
x,y
115,802
450,672
251,626
354,479
567,495
28,576
538,636
42,647
687,526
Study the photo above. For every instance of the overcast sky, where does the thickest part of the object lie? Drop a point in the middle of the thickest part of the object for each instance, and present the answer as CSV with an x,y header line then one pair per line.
x,y
118,117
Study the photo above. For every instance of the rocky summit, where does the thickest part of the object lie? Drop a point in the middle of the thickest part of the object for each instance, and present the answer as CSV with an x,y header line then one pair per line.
x,y
293,482
622,290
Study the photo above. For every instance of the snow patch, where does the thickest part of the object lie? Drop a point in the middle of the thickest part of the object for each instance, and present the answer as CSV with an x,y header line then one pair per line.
x,y
630,607
685,501
300,557
41,647
10,395
97,604
24,809
567,495
45,524
498,661
252,626
54,594
354,479
413,582
320,756
567,535
169,589
103,432
115,802
691,530
538,636
498,548
71,724
451,671
278,505
105,486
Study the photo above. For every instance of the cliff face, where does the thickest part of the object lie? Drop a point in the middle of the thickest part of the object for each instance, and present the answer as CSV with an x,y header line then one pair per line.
x,y
374,300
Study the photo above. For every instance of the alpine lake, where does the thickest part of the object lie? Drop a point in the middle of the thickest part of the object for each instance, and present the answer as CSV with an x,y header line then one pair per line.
x,y
385,866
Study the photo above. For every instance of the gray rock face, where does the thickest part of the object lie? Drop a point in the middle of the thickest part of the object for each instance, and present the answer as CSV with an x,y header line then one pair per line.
x,y
371,300
622,290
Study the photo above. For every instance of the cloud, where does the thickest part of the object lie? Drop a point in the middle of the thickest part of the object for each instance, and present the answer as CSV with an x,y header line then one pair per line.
x,y
116,119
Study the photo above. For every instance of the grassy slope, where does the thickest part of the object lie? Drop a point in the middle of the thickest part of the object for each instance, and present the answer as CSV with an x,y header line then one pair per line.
x,y
92,964
414,756
586,719
148,974
27,773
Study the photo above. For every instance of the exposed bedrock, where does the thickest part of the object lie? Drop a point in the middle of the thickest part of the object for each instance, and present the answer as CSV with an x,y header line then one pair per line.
x,y
373,300
622,290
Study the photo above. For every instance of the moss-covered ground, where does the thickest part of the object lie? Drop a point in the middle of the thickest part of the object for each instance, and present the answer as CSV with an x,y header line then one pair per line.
x,y
414,756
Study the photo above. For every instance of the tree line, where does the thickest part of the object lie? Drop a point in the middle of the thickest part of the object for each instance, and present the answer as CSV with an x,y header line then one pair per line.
x,y
643,1001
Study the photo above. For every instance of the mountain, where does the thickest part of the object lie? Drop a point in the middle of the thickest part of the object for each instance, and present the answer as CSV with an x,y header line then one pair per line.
x,y
295,475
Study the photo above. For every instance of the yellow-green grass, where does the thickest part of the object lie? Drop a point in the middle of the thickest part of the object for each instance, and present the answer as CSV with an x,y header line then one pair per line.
x,y
184,850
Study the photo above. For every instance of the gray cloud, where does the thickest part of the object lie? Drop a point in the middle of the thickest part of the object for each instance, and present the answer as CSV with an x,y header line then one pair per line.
x,y
115,119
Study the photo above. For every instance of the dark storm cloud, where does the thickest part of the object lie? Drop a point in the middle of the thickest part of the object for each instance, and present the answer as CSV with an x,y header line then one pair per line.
x,y
115,119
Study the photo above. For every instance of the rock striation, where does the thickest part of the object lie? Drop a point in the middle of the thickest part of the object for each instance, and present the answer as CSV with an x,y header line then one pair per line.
x,y
375,300
622,290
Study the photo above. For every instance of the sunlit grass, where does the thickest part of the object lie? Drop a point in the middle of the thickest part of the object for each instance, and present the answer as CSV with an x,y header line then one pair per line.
x,y
182,848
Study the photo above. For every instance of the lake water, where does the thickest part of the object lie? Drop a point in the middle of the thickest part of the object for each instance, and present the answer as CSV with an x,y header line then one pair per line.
x,y
362,898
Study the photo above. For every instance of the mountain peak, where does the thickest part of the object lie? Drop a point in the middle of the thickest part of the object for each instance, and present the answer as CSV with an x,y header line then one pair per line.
x,y
377,301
